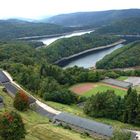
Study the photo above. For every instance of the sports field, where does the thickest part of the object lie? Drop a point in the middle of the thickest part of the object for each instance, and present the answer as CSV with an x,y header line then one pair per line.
x,y
88,89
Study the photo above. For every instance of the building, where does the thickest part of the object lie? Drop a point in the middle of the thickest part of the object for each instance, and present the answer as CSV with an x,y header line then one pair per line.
x,y
118,83
83,125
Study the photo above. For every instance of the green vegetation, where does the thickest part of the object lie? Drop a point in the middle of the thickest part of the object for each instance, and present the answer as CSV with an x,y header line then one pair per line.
x,y
108,105
73,45
124,27
127,56
74,109
21,101
102,87
12,29
121,135
93,19
122,78
12,126
39,127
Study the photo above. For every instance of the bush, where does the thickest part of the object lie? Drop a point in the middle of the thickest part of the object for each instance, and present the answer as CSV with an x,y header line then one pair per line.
x,y
63,96
12,126
21,101
121,135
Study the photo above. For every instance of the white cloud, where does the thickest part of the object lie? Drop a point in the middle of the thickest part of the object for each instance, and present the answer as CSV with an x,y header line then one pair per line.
x,y
38,8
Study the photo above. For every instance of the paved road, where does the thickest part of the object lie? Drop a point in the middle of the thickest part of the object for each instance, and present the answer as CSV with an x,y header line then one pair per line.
x,y
134,80
12,88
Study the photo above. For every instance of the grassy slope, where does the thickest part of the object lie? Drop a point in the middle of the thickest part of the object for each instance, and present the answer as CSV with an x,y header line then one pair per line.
x,y
39,127
73,109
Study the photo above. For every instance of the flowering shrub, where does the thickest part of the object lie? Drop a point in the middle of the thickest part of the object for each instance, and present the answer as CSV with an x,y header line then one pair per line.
x,y
21,101
11,126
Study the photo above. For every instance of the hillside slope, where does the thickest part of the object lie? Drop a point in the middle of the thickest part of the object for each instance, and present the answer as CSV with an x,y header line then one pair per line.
x,y
11,29
125,26
92,18
127,56
38,127
69,46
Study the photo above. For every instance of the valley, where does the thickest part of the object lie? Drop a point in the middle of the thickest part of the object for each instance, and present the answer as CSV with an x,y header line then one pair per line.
x,y
71,76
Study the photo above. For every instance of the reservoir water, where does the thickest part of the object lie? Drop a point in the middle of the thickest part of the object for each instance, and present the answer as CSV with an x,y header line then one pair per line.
x,y
91,59
86,61
48,41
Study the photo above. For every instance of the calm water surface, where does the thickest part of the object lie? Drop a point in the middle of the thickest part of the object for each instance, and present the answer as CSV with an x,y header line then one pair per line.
x,y
48,41
91,59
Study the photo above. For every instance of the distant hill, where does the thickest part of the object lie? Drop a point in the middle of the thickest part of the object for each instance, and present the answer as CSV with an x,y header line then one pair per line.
x,y
14,28
124,26
92,18
127,56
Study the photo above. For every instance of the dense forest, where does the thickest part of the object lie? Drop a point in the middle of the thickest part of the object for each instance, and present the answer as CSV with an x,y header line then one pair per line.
x,y
50,82
12,29
130,26
95,19
109,105
127,56
69,46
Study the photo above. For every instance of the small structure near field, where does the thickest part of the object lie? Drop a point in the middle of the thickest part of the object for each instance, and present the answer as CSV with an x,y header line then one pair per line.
x,y
83,125
117,83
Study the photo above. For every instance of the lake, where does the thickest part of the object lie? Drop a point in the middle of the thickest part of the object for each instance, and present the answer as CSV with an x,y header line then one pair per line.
x,y
48,41
85,61
90,60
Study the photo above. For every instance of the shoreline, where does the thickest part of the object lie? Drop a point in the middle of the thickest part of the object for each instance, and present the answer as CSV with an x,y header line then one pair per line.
x,y
62,62
53,35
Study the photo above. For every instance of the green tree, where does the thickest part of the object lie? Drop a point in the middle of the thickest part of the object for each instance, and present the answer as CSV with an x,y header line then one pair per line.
x,y
138,111
21,101
130,102
12,126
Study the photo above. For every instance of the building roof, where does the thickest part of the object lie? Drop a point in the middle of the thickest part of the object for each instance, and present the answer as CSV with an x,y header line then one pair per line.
x,y
11,88
117,83
3,77
99,128
44,112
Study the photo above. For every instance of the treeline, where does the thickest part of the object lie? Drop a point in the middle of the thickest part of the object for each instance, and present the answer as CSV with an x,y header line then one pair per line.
x,y
109,105
12,29
30,68
127,56
127,26
69,46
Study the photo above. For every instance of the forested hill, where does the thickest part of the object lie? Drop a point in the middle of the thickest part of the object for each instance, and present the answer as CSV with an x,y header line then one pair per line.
x,y
93,18
127,56
11,29
126,26
69,46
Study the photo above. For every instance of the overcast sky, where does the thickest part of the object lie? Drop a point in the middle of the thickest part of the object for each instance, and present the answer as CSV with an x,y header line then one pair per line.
x,y
39,8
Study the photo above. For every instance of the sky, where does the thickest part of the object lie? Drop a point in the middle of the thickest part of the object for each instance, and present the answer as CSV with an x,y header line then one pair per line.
x,y
37,9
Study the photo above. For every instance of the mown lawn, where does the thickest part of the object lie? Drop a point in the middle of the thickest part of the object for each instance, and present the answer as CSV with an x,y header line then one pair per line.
x,y
99,87
103,87
39,127
122,78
